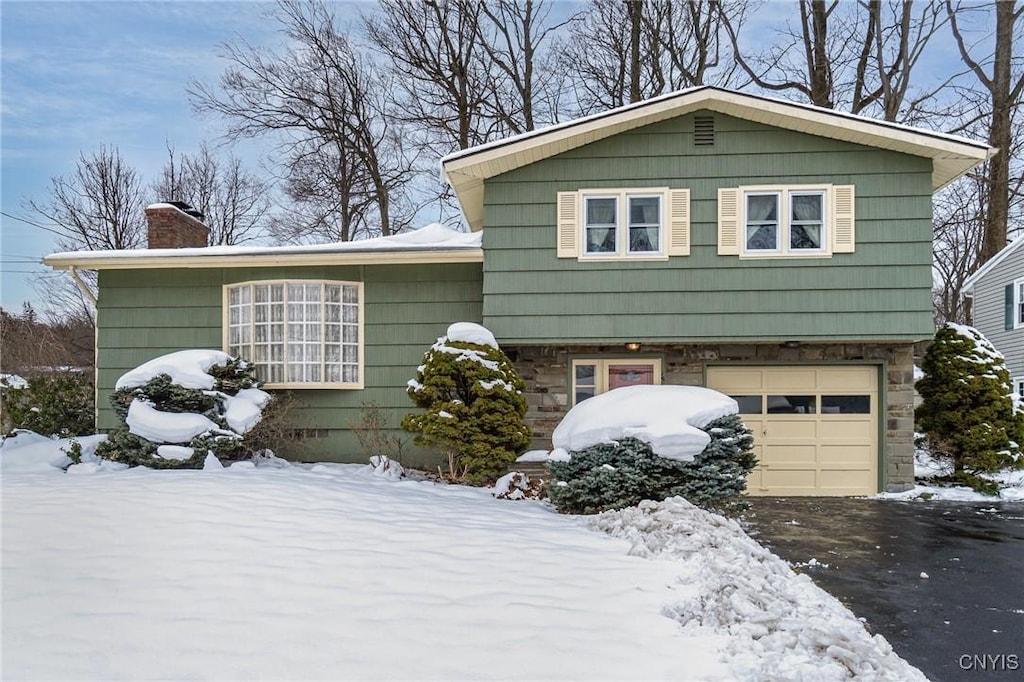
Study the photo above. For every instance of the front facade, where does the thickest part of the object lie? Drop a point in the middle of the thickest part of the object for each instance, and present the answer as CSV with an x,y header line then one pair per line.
x,y
996,292
775,252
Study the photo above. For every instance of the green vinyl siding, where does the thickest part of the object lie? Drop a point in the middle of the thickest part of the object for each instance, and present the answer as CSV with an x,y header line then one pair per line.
x,y
145,313
882,291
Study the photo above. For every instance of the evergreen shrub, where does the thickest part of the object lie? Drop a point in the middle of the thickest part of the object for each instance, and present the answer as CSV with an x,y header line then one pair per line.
x,y
56,405
967,412
473,404
622,473
164,395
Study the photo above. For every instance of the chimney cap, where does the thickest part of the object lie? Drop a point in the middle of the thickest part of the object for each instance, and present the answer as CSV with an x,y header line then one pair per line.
x,y
187,209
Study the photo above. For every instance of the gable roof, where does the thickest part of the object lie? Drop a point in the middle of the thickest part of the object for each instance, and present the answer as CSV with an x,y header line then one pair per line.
x,y
990,264
466,170
434,243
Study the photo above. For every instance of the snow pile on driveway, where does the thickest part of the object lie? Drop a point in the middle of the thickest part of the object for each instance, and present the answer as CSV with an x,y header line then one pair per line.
x,y
336,572
778,625
669,418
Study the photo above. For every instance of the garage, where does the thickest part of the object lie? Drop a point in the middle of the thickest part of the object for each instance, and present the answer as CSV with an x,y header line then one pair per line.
x,y
815,427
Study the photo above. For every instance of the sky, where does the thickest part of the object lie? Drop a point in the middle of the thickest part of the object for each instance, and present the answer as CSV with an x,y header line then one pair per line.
x,y
75,75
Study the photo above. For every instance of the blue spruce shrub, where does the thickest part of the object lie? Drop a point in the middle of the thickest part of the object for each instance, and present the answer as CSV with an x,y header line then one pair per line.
x,y
623,473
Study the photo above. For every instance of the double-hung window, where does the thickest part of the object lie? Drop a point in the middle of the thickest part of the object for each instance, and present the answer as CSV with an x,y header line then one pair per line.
x,y
298,333
1018,308
623,224
785,222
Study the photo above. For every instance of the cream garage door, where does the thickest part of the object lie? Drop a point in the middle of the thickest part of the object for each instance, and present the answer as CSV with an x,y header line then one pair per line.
x,y
815,428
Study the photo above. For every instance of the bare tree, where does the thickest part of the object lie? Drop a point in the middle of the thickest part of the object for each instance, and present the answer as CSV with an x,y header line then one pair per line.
x,y
1002,87
327,106
957,236
527,79
893,39
443,74
98,206
623,52
233,201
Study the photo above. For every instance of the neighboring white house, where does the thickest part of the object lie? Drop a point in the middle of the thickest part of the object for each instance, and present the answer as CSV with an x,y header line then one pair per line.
x,y
997,293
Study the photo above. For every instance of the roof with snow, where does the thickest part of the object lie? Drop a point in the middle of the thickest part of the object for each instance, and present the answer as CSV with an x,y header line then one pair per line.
x,y
434,243
991,264
466,170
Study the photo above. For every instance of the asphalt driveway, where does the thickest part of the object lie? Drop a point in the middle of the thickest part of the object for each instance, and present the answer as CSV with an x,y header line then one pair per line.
x,y
965,620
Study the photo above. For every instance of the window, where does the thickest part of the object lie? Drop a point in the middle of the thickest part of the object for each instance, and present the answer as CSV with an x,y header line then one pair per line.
x,y
1019,387
1018,304
623,224
298,333
592,376
786,221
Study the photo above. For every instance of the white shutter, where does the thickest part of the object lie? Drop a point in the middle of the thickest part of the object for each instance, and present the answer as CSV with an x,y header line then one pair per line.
x,y
728,221
842,219
568,225
679,222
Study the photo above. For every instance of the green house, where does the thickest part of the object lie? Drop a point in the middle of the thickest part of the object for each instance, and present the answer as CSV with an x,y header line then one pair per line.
x,y
778,252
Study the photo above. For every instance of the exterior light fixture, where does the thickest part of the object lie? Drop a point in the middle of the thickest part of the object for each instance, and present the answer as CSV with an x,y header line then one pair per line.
x,y
633,346
791,344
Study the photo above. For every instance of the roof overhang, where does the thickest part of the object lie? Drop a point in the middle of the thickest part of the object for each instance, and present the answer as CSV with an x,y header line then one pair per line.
x,y
465,171
1012,247
174,258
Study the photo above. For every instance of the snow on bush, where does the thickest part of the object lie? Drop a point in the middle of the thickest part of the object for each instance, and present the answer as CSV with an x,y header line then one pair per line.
x,y
30,451
473,404
516,485
181,408
780,626
669,418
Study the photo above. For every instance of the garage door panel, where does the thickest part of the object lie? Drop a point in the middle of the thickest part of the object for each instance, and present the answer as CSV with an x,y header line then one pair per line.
x,y
822,439
790,431
789,379
859,431
788,454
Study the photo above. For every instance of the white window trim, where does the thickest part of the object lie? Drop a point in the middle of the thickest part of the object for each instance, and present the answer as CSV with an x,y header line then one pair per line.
x,y
225,329
1018,302
601,372
622,196
1018,387
783,236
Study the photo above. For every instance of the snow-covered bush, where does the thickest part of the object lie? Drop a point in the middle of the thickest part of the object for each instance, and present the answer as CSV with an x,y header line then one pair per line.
x,y
181,407
651,443
516,485
473,401
967,412
58,405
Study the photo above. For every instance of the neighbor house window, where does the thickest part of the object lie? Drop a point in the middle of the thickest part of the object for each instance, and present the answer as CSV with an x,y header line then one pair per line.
x,y
623,224
298,333
1018,304
593,376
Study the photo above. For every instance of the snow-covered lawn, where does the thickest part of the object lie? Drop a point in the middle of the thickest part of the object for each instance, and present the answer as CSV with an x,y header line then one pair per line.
x,y
331,572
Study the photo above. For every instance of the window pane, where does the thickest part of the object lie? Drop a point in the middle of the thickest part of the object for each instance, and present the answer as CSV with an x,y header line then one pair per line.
x,y
277,293
350,354
350,313
600,240
234,296
749,404
807,207
332,333
312,312
805,237
313,292
332,313
333,293
334,373
585,374
295,292
350,333
332,354
762,238
644,239
350,374
582,393
644,211
762,208
351,294
261,293
846,404
791,404
630,375
601,211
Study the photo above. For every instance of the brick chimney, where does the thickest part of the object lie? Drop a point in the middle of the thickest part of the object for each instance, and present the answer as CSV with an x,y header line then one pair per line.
x,y
175,225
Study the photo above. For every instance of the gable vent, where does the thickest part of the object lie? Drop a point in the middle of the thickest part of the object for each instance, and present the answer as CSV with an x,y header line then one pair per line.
x,y
704,130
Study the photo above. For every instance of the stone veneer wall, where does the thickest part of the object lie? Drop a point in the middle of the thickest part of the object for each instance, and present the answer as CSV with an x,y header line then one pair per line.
x,y
545,370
